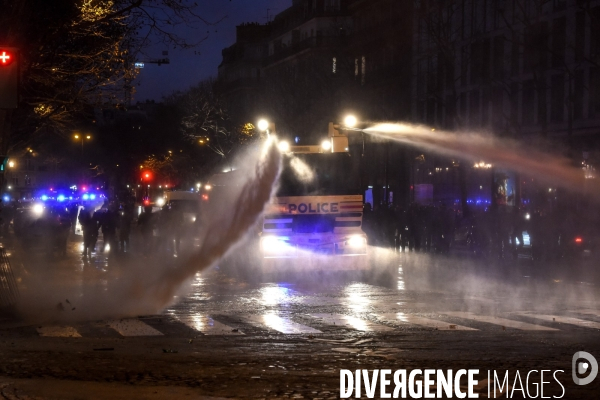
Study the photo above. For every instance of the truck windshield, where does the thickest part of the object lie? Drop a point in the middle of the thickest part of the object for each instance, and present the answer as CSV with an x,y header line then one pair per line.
x,y
186,206
318,175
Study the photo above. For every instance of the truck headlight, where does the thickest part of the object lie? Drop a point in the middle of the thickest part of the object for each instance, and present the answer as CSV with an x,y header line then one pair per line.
x,y
273,244
38,209
356,241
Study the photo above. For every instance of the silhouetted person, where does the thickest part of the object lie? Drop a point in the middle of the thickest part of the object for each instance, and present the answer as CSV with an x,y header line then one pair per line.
x,y
146,224
89,226
173,227
62,230
125,221
518,226
109,227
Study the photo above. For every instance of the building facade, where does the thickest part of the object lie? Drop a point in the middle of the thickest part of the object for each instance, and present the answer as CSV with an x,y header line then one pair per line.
x,y
523,69
319,60
515,67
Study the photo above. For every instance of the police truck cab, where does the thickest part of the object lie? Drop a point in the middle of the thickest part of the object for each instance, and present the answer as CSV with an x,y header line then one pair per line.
x,y
316,216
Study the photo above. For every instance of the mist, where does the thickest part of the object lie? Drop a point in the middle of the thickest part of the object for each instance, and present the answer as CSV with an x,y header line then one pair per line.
x,y
479,284
538,161
146,285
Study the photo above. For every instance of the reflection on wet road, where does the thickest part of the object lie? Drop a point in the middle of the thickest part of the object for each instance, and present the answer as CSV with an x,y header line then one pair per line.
x,y
404,318
404,291
208,326
279,324
349,321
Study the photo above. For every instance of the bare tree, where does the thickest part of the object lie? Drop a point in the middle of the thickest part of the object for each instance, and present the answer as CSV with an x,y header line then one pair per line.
x,y
80,54
206,121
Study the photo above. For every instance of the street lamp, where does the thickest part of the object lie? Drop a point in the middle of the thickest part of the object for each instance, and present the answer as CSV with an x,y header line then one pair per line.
x,y
78,136
350,121
263,125
83,138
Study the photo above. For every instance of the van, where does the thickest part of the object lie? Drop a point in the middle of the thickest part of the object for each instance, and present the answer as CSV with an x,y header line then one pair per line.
x,y
186,202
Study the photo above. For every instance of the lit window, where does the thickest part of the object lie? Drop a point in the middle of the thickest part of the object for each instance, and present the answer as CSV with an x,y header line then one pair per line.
x,y
334,65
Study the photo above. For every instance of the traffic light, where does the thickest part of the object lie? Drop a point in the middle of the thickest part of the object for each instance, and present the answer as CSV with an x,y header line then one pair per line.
x,y
147,176
9,77
3,163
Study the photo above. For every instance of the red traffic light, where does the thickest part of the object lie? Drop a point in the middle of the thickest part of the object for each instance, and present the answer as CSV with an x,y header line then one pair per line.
x,y
147,175
6,57
9,77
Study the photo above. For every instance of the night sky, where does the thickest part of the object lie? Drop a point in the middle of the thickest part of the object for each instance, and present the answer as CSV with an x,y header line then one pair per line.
x,y
187,68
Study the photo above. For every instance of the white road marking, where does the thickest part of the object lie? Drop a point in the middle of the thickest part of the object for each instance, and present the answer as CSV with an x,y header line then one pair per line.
x,y
562,319
208,326
279,324
352,322
499,321
319,301
481,299
422,321
133,327
58,331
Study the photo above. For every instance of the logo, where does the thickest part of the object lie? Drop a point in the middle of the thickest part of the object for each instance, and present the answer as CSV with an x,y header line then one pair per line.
x,y
310,208
582,367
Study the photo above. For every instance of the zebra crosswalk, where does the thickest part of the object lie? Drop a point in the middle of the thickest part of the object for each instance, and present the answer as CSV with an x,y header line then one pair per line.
x,y
404,319
57,331
208,325
562,319
505,323
324,323
133,327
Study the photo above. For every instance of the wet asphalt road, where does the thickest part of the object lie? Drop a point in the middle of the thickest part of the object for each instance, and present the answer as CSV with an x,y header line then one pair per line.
x,y
232,334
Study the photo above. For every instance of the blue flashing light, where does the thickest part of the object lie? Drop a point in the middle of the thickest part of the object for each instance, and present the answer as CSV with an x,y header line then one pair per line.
x,y
86,196
44,197
70,197
61,197
6,198
297,139
92,196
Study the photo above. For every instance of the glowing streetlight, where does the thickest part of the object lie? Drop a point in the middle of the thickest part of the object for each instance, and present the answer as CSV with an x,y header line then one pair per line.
x,y
11,164
83,138
350,121
326,145
263,125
